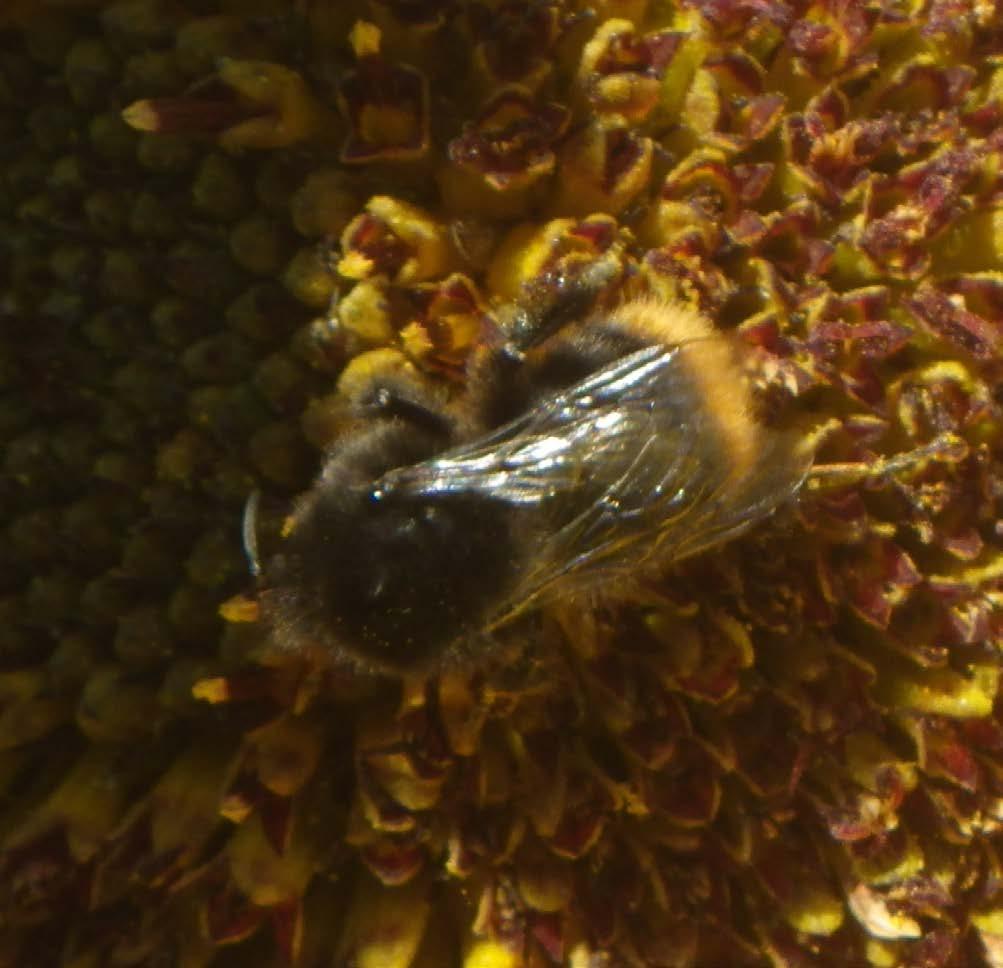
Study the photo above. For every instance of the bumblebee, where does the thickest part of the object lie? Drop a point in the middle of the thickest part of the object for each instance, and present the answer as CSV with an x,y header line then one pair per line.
x,y
589,448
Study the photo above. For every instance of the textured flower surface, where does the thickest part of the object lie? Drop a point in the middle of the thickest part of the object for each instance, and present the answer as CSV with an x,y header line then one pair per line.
x,y
220,218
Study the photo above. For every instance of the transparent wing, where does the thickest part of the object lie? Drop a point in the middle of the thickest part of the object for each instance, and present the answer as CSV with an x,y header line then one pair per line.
x,y
558,444
621,468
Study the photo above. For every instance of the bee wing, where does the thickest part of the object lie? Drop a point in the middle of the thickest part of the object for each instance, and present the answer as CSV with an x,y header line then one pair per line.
x,y
540,454
669,504
623,466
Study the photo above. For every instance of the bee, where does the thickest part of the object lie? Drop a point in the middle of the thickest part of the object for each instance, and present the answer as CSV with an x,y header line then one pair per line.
x,y
590,447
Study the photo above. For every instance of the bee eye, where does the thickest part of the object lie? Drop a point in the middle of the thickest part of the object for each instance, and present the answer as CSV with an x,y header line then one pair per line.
x,y
249,532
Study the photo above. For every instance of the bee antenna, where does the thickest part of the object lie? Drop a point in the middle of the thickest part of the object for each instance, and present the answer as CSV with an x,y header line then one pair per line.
x,y
249,532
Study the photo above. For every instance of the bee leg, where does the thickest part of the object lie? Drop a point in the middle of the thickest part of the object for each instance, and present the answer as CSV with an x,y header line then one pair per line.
x,y
946,448
390,400
499,387
558,299
572,358
506,382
